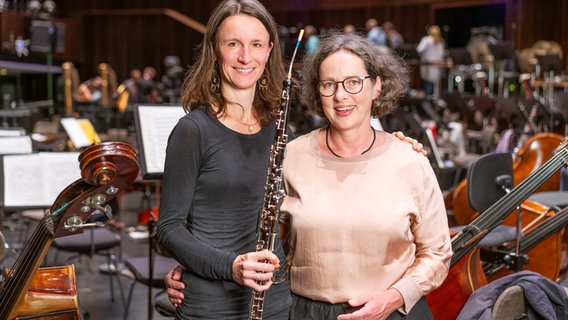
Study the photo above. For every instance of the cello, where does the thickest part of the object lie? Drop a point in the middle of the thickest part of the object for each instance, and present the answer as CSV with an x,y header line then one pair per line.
x,y
106,169
465,276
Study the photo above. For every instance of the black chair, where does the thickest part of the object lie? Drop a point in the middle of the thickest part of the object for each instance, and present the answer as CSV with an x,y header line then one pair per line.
x,y
148,270
555,200
489,178
94,240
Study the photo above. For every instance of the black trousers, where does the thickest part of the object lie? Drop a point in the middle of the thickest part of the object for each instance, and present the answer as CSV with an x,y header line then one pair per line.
x,y
306,309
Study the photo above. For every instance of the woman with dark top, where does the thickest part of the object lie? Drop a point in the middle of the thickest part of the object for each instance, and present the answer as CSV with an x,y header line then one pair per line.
x,y
216,164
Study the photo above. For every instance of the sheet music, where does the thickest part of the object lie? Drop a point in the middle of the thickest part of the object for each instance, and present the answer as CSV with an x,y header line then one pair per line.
x,y
12,132
80,131
35,180
16,145
156,123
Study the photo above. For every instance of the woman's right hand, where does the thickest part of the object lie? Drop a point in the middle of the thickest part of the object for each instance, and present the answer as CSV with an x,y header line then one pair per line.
x,y
174,285
255,269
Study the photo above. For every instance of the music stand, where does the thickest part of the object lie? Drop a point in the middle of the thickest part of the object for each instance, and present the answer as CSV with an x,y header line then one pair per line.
x,y
154,124
16,145
550,63
502,53
460,56
81,132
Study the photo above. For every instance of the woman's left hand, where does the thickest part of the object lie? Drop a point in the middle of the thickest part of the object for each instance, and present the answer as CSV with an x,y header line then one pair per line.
x,y
375,305
416,146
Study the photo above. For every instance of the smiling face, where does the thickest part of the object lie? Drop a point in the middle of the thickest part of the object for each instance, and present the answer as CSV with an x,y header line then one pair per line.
x,y
244,48
343,109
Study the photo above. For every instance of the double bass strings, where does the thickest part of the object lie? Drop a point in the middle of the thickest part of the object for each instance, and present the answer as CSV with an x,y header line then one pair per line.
x,y
24,266
491,217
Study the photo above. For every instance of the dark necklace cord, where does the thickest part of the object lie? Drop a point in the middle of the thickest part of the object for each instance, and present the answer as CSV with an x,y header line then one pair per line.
x,y
335,154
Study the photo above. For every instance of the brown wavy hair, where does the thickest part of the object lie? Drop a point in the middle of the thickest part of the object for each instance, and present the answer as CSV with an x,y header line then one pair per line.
x,y
379,61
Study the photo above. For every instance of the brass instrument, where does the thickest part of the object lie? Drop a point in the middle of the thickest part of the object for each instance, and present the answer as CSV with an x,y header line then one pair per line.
x,y
274,188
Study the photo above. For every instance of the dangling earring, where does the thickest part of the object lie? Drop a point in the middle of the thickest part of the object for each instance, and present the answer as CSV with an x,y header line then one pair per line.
x,y
214,85
263,82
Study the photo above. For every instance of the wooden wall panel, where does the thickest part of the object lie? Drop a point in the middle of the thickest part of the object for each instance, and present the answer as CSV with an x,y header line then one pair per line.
x,y
537,21
126,41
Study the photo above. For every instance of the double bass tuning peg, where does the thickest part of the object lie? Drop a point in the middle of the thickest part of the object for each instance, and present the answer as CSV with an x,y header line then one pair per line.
x,y
75,223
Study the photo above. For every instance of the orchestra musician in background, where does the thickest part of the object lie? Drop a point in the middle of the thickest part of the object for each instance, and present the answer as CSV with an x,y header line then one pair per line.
x,y
431,49
89,91
363,217
394,38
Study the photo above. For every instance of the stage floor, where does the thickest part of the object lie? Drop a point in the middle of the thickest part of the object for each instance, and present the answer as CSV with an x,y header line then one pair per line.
x,y
93,285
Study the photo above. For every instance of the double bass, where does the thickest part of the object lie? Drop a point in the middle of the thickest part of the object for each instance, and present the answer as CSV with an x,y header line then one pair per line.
x,y
537,150
106,169
533,154
507,260
466,273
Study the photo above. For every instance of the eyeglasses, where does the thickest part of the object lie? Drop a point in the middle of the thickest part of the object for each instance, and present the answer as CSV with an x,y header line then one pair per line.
x,y
353,85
